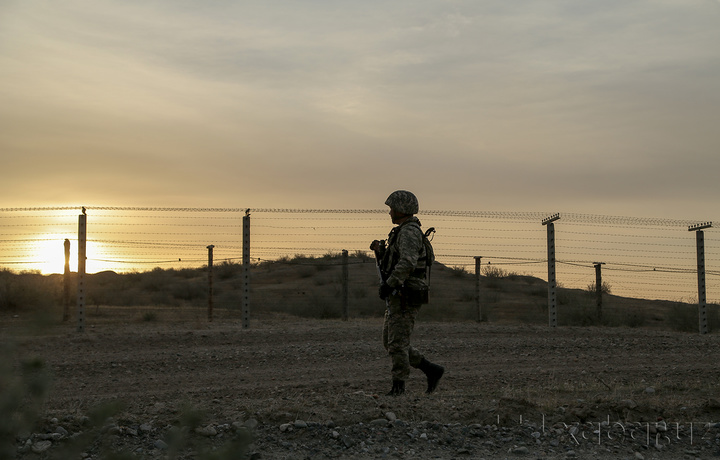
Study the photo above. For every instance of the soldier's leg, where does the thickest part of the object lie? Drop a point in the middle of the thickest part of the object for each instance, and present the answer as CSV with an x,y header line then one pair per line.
x,y
433,372
401,322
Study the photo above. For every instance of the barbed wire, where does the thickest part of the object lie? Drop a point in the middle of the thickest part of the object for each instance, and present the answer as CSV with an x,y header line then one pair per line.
x,y
501,238
512,215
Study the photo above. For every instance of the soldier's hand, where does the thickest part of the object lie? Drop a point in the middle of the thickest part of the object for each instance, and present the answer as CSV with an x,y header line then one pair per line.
x,y
375,245
385,291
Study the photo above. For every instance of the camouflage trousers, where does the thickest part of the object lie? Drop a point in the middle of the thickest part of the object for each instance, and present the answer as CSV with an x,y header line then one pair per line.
x,y
397,328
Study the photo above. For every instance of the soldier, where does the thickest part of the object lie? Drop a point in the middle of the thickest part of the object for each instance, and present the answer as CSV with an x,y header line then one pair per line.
x,y
404,288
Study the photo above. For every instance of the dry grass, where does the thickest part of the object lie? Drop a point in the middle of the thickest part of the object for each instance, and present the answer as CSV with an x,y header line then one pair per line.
x,y
312,287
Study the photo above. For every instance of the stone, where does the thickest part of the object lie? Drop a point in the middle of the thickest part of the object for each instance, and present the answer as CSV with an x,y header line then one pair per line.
x,y
208,431
251,424
41,446
300,424
160,445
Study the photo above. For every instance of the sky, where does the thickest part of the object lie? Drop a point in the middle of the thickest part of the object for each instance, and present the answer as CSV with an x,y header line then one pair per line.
x,y
607,108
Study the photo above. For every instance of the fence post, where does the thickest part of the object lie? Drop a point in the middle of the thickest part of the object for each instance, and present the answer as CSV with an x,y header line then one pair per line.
x,y
552,282
345,306
66,282
477,289
210,282
82,257
598,288
246,271
702,299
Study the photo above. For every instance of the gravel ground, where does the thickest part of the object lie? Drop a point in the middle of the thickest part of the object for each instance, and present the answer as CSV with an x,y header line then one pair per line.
x,y
297,389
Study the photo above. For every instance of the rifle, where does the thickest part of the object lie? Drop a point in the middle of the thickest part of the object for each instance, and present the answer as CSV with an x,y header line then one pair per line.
x,y
378,247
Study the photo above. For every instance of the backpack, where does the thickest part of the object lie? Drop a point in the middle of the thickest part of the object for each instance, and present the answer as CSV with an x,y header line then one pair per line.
x,y
429,258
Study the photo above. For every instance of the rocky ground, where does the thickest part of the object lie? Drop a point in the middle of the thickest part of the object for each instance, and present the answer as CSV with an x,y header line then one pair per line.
x,y
297,389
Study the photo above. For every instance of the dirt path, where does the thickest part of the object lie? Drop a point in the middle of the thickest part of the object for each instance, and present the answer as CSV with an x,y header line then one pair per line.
x,y
333,375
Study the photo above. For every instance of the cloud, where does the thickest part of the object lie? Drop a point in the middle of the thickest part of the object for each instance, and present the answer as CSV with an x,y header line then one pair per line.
x,y
315,101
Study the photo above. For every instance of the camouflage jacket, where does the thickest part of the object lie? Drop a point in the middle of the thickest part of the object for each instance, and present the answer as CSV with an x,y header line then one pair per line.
x,y
405,260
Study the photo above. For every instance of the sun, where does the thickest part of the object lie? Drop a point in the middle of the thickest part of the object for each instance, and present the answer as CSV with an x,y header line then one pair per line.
x,y
50,255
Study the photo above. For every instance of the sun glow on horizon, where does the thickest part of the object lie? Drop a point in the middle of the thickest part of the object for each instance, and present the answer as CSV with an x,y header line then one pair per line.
x,y
49,255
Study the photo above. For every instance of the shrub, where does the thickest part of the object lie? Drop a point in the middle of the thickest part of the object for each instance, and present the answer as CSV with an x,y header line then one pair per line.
x,y
150,316
605,288
683,317
494,272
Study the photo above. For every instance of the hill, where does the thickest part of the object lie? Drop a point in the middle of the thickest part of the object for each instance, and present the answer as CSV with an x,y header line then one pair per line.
x,y
312,287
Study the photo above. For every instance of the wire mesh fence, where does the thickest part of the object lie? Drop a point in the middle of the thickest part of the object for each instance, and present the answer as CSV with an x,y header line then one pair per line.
x,y
643,258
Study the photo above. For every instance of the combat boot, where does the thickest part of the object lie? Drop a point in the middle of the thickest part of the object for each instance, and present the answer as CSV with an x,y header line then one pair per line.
x,y
433,372
398,388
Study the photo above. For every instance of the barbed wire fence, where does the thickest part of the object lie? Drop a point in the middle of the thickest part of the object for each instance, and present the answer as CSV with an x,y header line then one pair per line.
x,y
642,257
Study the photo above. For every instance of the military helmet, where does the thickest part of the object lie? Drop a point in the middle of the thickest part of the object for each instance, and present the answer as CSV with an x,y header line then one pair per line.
x,y
403,202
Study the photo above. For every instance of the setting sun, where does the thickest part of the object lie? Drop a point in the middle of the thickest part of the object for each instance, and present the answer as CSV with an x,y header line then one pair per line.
x,y
50,254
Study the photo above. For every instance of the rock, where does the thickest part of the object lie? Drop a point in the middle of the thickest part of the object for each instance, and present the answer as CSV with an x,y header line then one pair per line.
x,y
26,447
251,424
160,444
522,450
639,456
145,428
237,426
300,424
61,431
285,427
379,422
628,404
650,390
41,446
208,431
390,416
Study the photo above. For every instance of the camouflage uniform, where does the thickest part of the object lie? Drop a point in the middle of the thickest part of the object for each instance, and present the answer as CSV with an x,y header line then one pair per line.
x,y
405,247
404,262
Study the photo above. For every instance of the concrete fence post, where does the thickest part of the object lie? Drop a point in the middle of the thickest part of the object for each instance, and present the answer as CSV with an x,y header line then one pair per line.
x,y
345,297
478,305
702,299
66,282
246,271
210,282
598,289
82,258
552,281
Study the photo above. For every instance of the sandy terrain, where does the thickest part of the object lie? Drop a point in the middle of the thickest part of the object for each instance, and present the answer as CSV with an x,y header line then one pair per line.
x,y
315,389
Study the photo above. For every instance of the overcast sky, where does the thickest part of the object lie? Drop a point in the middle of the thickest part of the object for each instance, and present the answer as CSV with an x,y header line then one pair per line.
x,y
604,107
